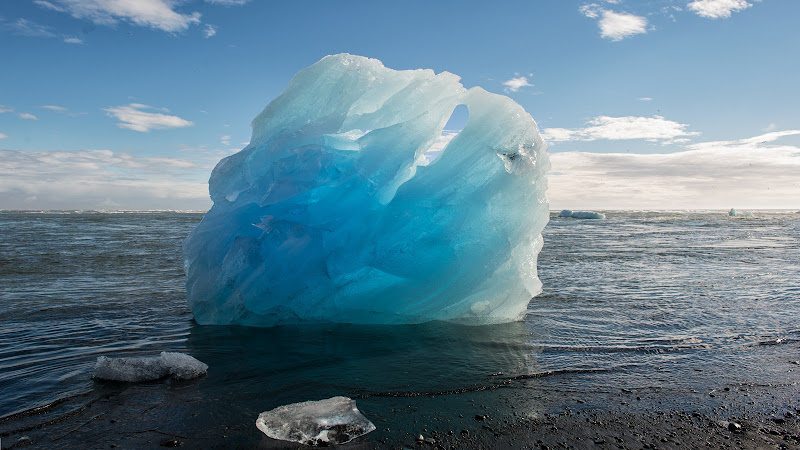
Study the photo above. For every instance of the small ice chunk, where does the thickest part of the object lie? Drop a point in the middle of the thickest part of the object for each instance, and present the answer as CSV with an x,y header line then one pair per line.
x,y
136,369
581,214
332,421
183,366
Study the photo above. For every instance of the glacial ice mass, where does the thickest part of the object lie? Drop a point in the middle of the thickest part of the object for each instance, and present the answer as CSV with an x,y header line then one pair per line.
x,y
137,369
333,213
332,421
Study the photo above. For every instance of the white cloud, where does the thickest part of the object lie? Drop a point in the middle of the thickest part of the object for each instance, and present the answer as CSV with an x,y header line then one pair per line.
x,y
27,27
133,118
591,10
227,2
3,136
646,99
62,110
717,9
753,143
55,108
46,4
618,26
748,173
157,14
5,109
435,151
97,179
613,25
654,129
209,31
515,84
27,116
225,140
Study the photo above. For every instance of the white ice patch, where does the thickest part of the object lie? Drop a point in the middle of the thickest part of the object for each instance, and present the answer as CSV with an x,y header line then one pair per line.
x,y
332,421
581,214
136,369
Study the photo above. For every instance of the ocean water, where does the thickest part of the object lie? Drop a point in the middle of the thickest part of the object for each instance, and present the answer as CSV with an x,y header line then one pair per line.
x,y
641,310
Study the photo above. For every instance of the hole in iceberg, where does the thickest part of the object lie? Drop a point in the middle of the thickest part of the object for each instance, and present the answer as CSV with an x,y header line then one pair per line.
x,y
458,119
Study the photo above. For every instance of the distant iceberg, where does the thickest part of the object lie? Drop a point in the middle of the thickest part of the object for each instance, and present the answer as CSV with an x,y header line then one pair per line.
x,y
325,422
734,213
137,369
581,214
333,212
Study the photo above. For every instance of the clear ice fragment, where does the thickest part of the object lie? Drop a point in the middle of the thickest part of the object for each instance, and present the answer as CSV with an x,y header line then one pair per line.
x,y
332,421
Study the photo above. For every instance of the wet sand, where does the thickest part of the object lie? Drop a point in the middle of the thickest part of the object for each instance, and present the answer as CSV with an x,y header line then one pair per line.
x,y
147,416
666,430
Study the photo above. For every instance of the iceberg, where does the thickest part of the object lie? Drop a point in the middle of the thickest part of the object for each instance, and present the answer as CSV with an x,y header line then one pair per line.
x,y
137,369
581,214
734,213
332,421
333,212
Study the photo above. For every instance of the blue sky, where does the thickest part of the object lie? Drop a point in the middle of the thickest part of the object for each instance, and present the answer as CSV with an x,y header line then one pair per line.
x,y
650,104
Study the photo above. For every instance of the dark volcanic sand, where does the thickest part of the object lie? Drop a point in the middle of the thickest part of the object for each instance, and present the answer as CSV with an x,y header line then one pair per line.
x,y
147,416
669,430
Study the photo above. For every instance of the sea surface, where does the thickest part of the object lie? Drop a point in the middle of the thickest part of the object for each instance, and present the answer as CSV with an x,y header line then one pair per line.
x,y
641,310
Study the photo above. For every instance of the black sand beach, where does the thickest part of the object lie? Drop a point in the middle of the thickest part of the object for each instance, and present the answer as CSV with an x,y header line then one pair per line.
x,y
148,416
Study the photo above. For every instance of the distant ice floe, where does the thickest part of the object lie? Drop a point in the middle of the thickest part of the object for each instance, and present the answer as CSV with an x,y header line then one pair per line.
x,y
734,213
581,214
137,369
325,422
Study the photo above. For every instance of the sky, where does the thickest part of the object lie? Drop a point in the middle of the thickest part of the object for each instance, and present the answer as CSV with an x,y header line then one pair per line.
x,y
644,104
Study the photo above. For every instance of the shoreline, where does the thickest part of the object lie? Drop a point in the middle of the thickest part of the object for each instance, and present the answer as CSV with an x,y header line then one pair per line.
x,y
146,415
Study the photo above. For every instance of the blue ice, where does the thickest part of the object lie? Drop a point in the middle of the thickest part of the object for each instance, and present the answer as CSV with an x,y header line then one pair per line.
x,y
333,212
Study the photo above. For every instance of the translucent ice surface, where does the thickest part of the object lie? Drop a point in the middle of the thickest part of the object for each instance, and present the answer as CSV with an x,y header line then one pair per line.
x,y
334,213
177,365
332,421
